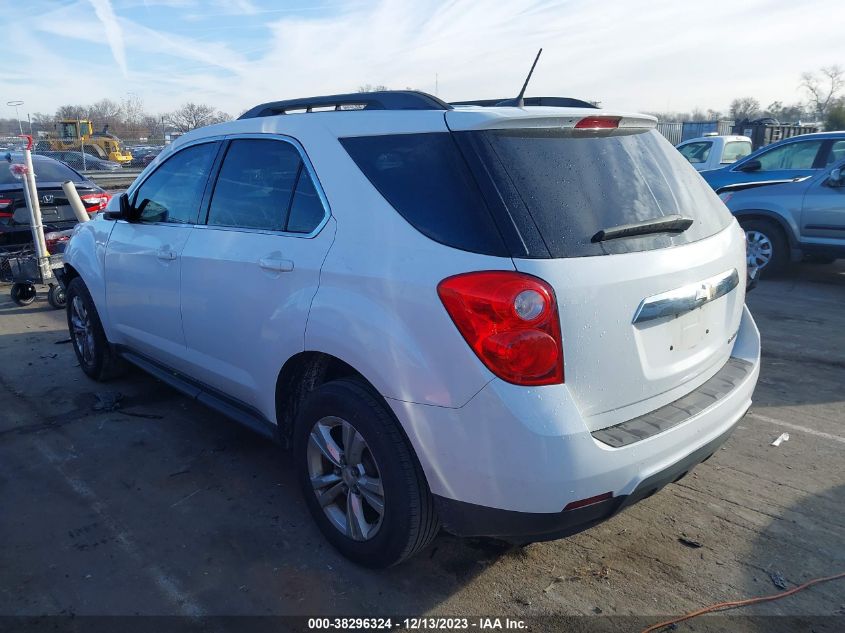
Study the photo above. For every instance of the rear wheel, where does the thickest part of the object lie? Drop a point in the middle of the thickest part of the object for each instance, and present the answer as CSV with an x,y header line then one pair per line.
x,y
766,247
96,356
23,294
361,481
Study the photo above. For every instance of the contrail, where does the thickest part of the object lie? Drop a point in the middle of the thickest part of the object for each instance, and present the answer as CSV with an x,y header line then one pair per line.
x,y
114,34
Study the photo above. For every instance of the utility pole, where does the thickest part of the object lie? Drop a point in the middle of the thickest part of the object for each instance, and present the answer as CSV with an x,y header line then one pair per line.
x,y
16,104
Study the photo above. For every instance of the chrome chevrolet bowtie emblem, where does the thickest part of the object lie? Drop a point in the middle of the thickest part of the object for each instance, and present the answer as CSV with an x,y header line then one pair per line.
x,y
704,293
47,198
686,298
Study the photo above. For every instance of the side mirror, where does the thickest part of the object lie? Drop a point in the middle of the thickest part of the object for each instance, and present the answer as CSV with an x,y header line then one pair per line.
x,y
752,165
124,210
836,178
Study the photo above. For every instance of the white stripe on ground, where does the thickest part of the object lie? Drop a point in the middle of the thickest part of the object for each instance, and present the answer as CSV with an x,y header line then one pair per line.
x,y
167,584
797,427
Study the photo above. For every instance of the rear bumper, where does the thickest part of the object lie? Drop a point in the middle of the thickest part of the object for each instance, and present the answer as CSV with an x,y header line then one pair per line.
x,y
467,519
509,461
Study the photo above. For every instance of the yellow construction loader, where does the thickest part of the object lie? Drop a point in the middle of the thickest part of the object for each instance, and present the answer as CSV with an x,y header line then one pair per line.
x,y
73,135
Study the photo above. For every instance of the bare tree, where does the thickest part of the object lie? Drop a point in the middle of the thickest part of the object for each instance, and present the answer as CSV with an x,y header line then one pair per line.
x,y
372,88
193,115
105,112
823,89
836,116
744,108
72,112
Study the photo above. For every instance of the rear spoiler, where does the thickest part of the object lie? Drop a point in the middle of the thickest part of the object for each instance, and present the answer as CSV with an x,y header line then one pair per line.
x,y
579,120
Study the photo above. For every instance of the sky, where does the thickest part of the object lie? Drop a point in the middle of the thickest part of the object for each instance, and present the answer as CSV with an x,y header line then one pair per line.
x,y
654,55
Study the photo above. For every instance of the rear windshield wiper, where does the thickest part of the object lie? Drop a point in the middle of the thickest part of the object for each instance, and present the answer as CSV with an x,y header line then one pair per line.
x,y
666,224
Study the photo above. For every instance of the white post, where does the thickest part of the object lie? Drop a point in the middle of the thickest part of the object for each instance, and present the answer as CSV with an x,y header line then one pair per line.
x,y
31,192
75,201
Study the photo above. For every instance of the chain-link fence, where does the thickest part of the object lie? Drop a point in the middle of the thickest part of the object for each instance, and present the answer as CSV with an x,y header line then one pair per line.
x,y
98,152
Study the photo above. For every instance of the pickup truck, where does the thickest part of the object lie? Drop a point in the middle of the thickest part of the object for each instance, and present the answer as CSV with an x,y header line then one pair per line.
x,y
714,152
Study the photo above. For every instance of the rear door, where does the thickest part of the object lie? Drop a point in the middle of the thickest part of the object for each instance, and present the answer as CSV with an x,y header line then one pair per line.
x,y
143,258
250,272
644,319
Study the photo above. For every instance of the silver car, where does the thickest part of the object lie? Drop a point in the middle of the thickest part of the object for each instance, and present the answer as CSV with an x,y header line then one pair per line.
x,y
787,220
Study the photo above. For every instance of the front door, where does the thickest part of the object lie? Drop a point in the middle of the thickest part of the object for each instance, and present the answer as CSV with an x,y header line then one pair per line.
x,y
249,274
143,257
823,215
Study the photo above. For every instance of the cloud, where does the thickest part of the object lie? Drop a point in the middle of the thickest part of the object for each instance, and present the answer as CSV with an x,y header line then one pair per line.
x,y
629,54
114,34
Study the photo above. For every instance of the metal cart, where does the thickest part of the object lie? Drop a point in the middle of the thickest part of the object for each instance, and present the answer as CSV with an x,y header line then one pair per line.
x,y
21,268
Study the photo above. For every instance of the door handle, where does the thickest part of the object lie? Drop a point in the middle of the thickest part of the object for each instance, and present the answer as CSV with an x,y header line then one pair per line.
x,y
166,255
276,264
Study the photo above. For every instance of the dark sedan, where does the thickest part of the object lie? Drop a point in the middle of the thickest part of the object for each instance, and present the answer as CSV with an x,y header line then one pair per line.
x,y
56,213
83,162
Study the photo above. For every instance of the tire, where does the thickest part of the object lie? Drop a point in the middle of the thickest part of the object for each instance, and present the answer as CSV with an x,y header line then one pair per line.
x,y
771,254
57,297
95,354
23,294
408,521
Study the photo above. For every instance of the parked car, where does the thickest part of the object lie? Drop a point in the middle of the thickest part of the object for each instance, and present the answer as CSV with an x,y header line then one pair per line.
x,y
511,322
712,152
143,156
795,157
56,213
786,221
83,162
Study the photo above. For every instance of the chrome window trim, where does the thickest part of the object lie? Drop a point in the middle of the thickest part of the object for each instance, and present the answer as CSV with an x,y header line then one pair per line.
x,y
686,298
306,161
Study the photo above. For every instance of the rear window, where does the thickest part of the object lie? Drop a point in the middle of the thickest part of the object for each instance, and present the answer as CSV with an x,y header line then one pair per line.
x,y
45,171
734,150
573,186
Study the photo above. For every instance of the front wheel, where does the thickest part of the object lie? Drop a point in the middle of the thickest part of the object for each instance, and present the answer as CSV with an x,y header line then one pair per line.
x,y
360,478
766,247
95,355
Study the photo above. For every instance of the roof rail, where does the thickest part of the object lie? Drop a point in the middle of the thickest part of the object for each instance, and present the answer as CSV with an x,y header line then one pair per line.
x,y
556,102
383,100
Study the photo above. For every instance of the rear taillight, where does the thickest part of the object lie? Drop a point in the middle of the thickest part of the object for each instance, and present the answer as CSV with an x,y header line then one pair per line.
x,y
510,320
6,207
598,123
95,201
57,237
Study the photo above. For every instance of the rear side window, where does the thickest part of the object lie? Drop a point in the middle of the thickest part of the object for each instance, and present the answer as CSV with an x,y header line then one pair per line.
x,y
837,152
573,186
734,150
255,185
425,178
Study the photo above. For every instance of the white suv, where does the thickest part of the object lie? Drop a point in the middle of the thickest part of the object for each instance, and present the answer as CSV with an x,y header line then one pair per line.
x,y
508,321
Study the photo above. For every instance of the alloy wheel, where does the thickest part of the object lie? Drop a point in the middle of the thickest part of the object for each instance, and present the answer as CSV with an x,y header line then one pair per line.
x,y
758,249
345,478
83,330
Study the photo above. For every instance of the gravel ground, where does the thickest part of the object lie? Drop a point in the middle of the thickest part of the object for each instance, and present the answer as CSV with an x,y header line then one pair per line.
x,y
164,507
